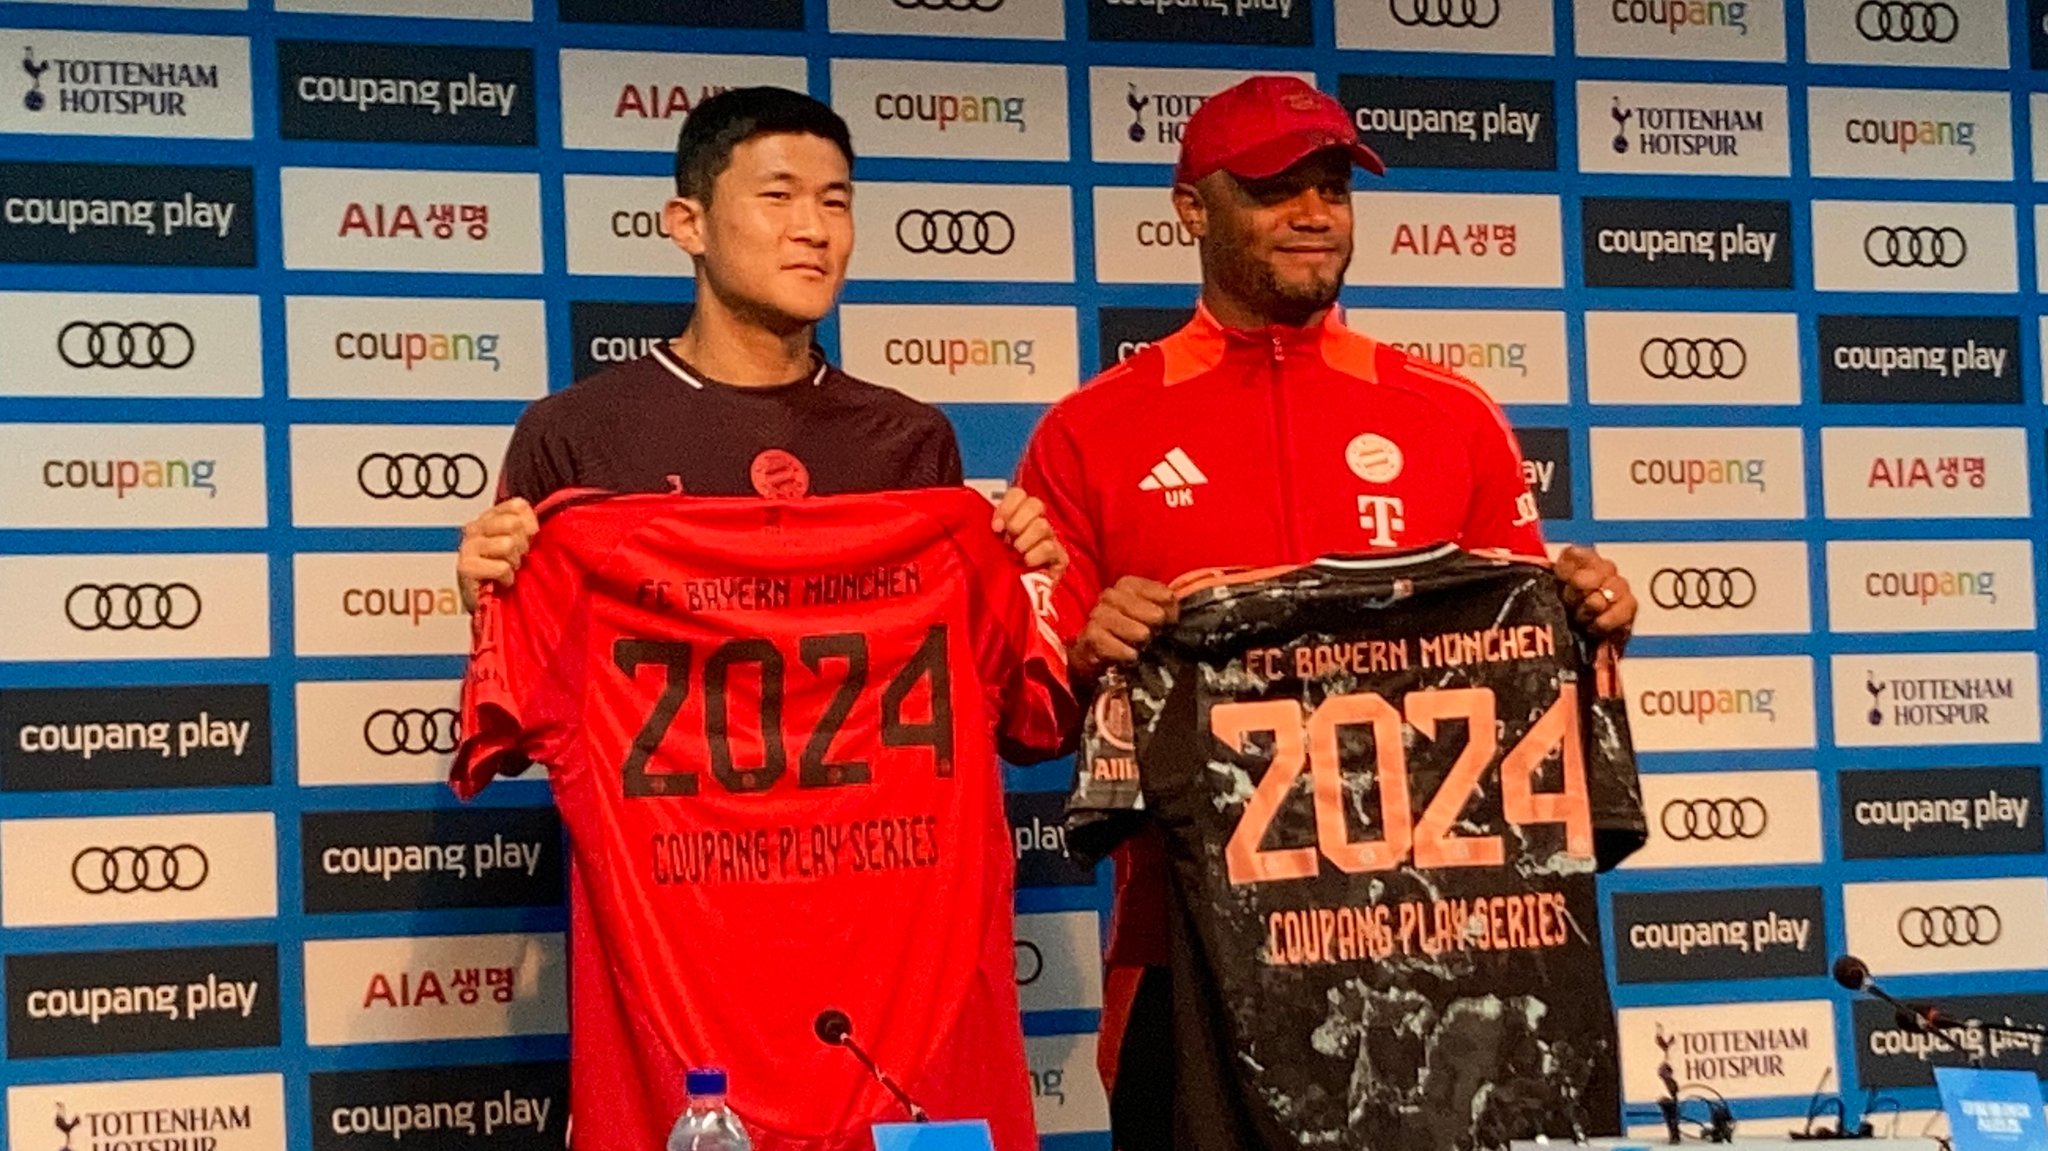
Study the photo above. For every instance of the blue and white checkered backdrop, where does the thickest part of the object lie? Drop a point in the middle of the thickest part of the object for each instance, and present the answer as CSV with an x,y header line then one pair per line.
x,y
1756,281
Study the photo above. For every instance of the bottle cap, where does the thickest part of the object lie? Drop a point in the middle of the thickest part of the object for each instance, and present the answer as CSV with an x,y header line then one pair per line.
x,y
705,1081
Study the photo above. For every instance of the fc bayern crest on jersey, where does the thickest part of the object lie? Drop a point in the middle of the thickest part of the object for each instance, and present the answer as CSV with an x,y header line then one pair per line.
x,y
1373,458
779,475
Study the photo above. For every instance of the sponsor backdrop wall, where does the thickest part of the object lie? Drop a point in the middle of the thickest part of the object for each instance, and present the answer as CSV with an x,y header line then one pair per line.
x,y
1756,280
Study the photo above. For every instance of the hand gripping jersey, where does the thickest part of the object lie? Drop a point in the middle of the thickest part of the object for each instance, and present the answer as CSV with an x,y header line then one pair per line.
x,y
772,731
1384,786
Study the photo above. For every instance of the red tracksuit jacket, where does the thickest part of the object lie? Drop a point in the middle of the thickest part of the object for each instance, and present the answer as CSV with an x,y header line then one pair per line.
x,y
1220,447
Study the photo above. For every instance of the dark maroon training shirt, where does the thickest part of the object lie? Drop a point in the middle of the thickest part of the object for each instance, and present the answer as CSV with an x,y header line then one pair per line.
x,y
658,425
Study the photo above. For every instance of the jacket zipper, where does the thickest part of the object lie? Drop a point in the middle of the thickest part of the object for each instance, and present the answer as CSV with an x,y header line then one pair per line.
x,y
1280,454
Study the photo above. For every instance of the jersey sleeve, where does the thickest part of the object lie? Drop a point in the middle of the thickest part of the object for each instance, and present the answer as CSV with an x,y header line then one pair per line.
x,y
1107,805
1051,469
513,710
1614,787
1039,717
1503,512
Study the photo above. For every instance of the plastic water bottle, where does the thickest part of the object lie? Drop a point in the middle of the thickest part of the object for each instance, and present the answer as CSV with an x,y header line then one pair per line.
x,y
706,1123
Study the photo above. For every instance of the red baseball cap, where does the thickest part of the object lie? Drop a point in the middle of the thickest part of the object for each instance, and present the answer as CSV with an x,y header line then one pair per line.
x,y
1261,126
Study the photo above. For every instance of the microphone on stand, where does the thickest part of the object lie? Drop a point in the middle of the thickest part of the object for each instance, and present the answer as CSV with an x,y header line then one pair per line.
x,y
1668,1106
835,1029
1854,974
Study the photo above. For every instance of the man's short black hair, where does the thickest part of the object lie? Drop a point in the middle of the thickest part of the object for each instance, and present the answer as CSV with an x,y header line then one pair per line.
x,y
731,118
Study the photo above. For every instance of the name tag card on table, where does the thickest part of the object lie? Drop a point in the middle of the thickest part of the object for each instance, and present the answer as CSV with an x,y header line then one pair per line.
x,y
1992,1110
960,1135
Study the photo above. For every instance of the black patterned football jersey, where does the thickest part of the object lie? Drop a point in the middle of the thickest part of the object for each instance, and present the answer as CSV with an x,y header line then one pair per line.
x,y
1385,786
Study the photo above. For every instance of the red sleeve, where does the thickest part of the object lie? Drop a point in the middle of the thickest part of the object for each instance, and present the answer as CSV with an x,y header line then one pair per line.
x,y
1503,509
1040,718
512,708
1052,470
1023,653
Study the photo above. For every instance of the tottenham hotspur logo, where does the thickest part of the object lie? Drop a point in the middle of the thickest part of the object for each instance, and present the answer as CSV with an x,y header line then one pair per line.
x,y
1876,691
66,1124
1621,116
34,100
1137,104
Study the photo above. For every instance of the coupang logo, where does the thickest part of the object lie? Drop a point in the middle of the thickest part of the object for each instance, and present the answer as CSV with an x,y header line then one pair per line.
x,y
416,604
947,110
1693,474
408,349
1285,22
1470,356
953,353
1475,125
1632,243
417,92
453,96
148,214
121,477
1925,586
1702,705
1920,359
1906,135
77,214
1947,362
1653,244
1673,15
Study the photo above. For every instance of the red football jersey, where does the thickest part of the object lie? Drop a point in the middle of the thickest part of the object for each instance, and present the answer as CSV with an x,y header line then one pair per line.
x,y
1222,447
772,730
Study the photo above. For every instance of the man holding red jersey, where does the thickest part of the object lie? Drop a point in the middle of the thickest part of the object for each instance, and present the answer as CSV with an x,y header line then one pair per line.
x,y
1263,432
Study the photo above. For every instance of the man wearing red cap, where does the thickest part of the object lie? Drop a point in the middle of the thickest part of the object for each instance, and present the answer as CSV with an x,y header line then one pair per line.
x,y
1263,432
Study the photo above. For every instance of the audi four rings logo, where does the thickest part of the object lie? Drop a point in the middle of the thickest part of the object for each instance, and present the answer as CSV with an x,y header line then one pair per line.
x,y
127,870
1673,588
1690,819
1445,13
1977,926
132,607
1907,21
1915,247
1030,963
413,731
84,344
951,5
433,476
1693,359
946,233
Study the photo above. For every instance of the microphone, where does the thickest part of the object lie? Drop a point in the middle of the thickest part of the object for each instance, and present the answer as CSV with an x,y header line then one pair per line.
x,y
1851,972
1668,1106
835,1029
1854,974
